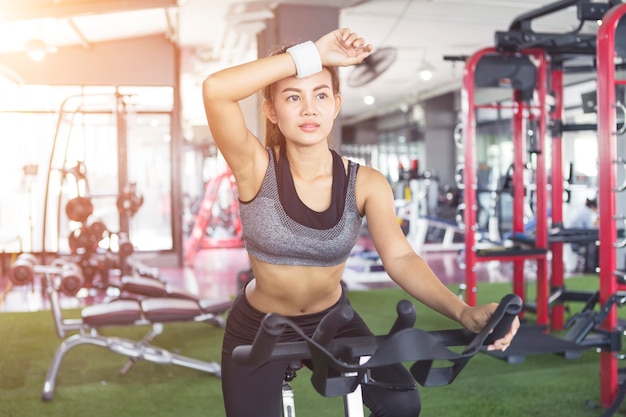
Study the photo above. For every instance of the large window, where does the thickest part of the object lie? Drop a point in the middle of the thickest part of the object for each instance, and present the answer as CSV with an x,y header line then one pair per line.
x,y
100,143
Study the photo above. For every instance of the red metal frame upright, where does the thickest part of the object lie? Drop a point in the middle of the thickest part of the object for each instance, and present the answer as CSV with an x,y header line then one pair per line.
x,y
557,315
541,182
521,112
518,130
607,155
469,171
557,281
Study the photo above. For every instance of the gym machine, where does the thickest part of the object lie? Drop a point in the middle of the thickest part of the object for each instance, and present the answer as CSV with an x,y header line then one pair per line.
x,y
341,366
426,230
219,210
607,51
530,339
488,68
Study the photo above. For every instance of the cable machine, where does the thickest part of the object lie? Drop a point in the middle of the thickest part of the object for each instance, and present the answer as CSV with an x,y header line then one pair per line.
x,y
607,53
58,162
524,73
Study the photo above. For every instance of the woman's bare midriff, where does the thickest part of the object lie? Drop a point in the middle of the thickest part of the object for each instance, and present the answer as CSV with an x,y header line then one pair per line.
x,y
293,290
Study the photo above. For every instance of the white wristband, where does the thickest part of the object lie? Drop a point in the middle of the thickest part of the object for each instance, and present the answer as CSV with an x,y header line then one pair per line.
x,y
307,59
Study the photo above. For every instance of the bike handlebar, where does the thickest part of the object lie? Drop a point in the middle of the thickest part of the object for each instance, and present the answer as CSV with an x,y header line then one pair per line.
x,y
272,326
331,323
406,317
402,344
502,319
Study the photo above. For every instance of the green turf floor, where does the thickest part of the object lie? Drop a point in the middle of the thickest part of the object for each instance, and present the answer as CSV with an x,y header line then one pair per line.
x,y
89,383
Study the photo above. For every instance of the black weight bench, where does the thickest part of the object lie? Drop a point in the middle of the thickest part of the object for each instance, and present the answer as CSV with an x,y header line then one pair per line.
x,y
509,254
133,286
153,312
562,235
504,252
142,301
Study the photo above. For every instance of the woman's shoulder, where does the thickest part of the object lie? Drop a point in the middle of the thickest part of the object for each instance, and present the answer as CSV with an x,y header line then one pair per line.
x,y
370,172
369,177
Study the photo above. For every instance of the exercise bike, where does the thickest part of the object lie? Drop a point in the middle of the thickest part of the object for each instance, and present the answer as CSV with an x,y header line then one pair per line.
x,y
341,366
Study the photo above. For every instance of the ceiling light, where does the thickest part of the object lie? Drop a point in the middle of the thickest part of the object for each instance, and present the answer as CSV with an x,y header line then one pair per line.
x,y
37,49
425,71
369,100
426,74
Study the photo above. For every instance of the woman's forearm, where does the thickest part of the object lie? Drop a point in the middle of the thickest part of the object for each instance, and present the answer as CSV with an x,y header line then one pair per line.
x,y
239,82
426,287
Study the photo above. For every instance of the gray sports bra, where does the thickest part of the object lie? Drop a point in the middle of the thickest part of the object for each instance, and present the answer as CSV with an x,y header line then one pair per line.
x,y
274,236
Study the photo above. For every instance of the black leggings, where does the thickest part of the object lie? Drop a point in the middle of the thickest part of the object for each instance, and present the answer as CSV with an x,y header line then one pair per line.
x,y
256,391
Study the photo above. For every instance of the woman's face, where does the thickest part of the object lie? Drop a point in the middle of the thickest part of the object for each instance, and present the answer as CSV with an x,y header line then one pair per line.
x,y
304,109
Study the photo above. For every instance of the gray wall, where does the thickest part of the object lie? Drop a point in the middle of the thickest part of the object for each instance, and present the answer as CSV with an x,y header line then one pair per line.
x,y
289,27
438,152
440,117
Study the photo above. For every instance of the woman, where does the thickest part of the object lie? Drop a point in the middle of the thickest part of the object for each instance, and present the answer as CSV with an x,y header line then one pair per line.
x,y
301,209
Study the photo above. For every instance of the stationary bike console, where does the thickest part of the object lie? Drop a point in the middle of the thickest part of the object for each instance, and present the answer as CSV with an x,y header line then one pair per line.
x,y
336,367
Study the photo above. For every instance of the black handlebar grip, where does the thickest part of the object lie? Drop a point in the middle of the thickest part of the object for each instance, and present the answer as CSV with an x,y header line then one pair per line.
x,y
272,326
331,323
510,306
406,317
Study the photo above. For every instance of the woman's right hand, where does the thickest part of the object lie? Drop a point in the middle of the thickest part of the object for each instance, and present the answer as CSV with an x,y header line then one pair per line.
x,y
342,47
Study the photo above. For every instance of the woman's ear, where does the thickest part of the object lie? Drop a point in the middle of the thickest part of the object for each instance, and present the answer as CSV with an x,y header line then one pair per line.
x,y
269,112
338,101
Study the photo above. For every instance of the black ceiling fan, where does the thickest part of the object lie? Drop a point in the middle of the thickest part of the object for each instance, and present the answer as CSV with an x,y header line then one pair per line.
x,y
372,66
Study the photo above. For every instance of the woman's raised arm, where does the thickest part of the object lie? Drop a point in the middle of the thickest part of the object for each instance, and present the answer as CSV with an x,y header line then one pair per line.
x,y
224,89
221,94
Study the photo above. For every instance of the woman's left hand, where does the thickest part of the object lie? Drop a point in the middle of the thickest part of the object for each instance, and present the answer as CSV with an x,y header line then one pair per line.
x,y
342,47
475,318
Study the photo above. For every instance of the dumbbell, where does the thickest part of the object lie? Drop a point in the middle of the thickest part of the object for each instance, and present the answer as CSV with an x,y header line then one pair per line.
x,y
72,279
79,209
85,238
23,269
98,230
130,200
70,274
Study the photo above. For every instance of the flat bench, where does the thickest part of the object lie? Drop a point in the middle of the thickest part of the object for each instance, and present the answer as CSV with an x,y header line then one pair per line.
x,y
153,312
